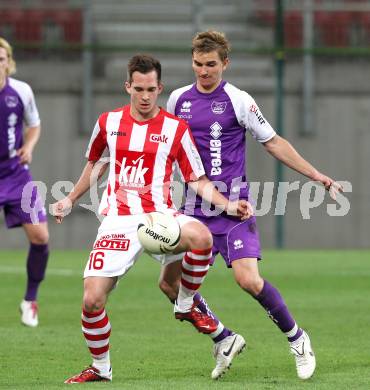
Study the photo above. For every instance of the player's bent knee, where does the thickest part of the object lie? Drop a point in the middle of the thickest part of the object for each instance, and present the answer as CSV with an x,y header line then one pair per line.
x,y
202,239
40,240
92,303
252,284
40,237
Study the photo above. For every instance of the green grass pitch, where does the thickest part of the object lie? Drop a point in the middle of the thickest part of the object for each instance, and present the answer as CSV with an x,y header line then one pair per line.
x,y
327,291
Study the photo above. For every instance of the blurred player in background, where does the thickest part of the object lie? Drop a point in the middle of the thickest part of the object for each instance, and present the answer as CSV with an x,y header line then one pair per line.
x,y
18,110
144,143
219,115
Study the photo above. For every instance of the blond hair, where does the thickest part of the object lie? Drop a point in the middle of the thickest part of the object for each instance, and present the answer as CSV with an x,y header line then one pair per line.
x,y
9,51
211,40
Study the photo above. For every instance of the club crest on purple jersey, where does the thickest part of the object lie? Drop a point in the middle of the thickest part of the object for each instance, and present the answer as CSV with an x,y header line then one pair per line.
x,y
218,107
11,101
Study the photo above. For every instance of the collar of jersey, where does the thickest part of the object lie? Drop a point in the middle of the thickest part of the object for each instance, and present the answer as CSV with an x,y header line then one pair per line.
x,y
160,113
205,94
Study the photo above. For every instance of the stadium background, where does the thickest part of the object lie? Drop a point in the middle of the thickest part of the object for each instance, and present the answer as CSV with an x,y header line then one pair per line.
x,y
77,70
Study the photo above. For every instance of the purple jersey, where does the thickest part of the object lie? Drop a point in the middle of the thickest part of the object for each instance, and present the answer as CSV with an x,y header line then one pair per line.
x,y
219,121
17,108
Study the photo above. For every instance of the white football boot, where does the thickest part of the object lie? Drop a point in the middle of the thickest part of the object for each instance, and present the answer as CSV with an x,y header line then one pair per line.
x,y
29,311
224,353
305,360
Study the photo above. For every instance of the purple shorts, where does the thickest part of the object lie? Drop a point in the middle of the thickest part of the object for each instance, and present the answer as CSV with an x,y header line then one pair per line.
x,y
233,239
21,204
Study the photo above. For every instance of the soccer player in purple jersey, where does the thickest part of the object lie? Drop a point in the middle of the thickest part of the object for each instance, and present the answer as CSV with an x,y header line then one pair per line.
x,y
219,115
18,109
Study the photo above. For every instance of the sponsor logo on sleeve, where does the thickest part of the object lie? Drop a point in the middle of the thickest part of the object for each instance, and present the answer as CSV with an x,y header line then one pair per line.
x,y
258,114
196,156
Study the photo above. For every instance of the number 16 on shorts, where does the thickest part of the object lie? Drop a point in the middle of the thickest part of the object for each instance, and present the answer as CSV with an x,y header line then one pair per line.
x,y
96,260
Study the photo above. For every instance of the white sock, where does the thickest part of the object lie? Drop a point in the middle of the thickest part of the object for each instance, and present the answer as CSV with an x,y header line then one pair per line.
x,y
184,301
103,364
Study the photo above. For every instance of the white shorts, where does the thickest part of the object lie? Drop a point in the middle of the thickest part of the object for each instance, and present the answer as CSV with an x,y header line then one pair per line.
x,y
117,247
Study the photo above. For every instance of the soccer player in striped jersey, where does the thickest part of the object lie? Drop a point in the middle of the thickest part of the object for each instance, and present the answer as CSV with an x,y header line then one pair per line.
x,y
18,110
219,115
144,144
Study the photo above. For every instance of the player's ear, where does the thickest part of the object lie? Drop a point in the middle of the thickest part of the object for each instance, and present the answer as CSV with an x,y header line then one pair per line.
x,y
225,63
160,87
128,87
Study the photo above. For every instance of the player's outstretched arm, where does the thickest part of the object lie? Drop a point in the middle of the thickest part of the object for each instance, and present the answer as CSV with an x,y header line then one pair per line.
x,y
92,172
281,149
205,188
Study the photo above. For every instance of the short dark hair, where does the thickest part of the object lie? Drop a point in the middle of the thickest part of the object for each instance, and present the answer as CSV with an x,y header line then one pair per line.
x,y
211,40
143,63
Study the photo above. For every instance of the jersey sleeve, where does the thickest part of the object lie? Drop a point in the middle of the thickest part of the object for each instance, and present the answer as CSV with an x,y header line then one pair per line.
x,y
174,98
257,125
188,158
31,117
98,147
249,115
171,103
31,113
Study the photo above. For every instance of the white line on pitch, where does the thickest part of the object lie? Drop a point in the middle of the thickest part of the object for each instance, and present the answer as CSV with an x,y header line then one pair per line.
x,y
49,271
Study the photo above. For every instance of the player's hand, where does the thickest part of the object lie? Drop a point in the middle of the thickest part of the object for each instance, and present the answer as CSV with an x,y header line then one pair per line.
x,y
25,155
240,208
60,209
330,185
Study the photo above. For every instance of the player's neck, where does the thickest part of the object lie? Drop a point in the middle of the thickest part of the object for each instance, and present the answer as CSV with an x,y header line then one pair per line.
x,y
142,117
2,83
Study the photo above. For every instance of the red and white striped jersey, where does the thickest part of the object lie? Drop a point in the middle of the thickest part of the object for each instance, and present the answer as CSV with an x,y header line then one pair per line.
x,y
142,160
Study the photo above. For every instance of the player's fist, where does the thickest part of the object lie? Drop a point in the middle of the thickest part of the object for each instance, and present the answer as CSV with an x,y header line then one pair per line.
x,y
25,155
241,208
331,185
334,189
60,209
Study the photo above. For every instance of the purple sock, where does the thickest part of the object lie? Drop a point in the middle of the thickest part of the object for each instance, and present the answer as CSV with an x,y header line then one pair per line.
x,y
204,308
277,310
36,266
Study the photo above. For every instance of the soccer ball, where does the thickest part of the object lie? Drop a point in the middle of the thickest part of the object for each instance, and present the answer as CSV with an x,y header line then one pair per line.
x,y
160,233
